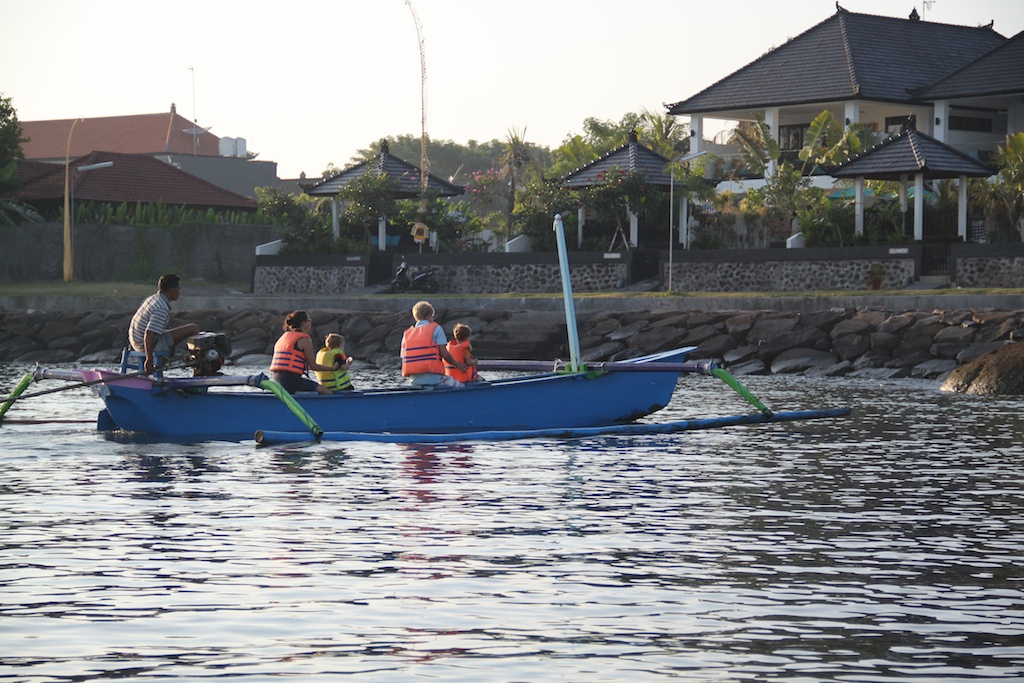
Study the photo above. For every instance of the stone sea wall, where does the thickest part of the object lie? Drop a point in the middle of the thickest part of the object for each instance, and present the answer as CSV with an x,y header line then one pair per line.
x,y
308,279
788,276
833,342
531,278
990,272
526,278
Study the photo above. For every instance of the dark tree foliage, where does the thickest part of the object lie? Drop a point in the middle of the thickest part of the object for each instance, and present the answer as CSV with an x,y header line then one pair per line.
x,y
10,143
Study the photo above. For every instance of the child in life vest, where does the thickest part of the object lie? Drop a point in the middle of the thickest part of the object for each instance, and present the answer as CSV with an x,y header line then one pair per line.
x,y
462,350
333,354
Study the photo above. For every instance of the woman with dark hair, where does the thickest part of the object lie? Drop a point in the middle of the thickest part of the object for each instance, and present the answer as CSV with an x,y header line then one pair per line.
x,y
293,354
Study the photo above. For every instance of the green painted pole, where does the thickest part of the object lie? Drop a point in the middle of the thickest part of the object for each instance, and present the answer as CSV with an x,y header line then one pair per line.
x,y
22,385
293,405
741,390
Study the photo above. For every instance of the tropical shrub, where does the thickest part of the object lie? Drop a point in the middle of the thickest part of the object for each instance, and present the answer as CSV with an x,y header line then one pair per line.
x,y
536,205
1002,198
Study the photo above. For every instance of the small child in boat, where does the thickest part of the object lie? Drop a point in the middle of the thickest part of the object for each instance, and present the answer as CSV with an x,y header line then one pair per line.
x,y
461,350
334,350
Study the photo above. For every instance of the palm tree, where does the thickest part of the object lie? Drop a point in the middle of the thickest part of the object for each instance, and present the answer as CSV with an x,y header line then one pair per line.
x,y
574,153
664,134
514,160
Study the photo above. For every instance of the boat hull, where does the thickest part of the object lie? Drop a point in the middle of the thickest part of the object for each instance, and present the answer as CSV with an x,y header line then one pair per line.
x,y
551,400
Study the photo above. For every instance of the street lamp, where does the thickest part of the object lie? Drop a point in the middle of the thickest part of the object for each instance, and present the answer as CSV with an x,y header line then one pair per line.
x,y
69,258
672,206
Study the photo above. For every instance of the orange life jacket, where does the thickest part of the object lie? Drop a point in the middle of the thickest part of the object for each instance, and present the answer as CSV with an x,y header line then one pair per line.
x,y
419,351
459,351
288,358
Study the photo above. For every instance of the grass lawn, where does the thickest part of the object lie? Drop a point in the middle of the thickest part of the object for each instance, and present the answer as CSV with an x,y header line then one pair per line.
x,y
135,289
118,289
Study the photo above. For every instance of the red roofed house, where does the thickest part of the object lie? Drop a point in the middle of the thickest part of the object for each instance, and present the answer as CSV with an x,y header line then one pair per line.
x,y
169,137
131,178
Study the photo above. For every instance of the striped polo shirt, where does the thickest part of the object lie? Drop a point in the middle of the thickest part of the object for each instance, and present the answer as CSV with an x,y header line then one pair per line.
x,y
152,316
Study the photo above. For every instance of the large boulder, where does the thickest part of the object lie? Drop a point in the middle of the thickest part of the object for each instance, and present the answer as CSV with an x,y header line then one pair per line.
x,y
998,373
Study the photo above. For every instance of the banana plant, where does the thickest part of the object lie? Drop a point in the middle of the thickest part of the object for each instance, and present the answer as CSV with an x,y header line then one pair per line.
x,y
760,149
828,143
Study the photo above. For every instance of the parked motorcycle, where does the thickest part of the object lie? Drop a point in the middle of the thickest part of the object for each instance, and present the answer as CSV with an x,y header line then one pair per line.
x,y
424,281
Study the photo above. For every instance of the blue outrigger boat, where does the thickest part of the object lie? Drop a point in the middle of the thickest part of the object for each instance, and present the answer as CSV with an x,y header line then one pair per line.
x,y
562,400
189,407
603,399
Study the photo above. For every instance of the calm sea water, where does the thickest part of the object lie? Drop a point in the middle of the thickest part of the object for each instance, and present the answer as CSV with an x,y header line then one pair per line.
x,y
888,546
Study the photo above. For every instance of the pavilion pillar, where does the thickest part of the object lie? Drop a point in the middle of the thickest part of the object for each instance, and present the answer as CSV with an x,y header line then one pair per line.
x,y
382,233
771,119
919,207
335,227
903,203
961,209
581,219
634,229
684,220
859,206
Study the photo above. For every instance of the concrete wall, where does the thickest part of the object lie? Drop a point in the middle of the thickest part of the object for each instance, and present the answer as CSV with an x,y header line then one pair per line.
x,y
218,253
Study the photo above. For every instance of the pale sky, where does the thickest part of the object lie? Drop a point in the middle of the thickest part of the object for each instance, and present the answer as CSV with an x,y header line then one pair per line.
x,y
308,84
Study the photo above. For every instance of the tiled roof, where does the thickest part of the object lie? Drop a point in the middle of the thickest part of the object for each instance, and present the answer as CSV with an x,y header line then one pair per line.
x,y
1000,72
132,178
27,171
908,153
140,134
408,176
848,56
631,156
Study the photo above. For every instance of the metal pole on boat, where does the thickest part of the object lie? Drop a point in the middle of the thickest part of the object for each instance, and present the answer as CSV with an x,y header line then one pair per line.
x,y
570,308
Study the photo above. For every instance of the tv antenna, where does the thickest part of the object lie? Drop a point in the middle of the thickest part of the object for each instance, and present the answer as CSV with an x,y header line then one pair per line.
x,y
195,131
925,6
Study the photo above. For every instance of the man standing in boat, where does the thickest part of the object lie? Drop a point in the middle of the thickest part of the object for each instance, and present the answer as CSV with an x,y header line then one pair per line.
x,y
147,332
424,350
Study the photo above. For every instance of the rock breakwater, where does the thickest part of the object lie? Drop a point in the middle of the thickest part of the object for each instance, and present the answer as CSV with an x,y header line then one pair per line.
x,y
834,342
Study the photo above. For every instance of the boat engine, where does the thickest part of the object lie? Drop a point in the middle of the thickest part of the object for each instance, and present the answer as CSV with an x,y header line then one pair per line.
x,y
208,350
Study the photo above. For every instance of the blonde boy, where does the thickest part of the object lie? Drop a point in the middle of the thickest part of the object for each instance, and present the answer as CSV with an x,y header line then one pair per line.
x,y
333,355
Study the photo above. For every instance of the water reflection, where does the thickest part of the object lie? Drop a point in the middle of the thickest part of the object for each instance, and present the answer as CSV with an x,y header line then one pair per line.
x,y
884,548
